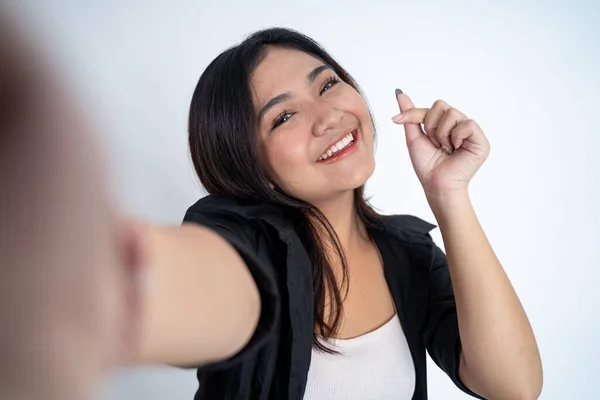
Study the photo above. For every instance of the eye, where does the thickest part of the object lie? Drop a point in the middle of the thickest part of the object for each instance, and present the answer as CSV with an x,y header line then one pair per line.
x,y
281,118
329,83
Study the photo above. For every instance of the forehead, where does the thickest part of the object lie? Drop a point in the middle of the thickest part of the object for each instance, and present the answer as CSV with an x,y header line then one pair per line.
x,y
281,71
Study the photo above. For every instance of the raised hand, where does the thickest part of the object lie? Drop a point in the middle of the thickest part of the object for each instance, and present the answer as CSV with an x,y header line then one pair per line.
x,y
446,148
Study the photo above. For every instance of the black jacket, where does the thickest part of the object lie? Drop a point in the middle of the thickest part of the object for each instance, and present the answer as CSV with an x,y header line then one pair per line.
x,y
275,363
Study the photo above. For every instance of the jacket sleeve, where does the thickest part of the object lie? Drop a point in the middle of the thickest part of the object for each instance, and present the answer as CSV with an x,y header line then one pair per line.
x,y
442,337
252,245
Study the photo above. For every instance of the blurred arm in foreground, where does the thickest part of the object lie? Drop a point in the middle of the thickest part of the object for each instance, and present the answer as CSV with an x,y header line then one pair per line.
x,y
71,300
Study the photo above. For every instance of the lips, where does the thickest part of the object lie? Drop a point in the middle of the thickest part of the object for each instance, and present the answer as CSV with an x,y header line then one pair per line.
x,y
342,148
346,139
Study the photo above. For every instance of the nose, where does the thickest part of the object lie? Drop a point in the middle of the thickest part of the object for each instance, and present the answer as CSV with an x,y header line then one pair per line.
x,y
326,118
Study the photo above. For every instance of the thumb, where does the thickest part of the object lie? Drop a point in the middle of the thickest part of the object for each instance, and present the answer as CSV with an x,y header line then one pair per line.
x,y
412,130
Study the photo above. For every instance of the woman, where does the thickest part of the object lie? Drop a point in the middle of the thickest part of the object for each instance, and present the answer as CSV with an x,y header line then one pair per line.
x,y
284,283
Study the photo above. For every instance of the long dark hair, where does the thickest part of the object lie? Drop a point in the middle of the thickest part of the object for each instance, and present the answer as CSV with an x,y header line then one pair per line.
x,y
224,148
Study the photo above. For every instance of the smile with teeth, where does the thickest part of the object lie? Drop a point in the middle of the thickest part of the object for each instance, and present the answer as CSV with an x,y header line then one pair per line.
x,y
339,146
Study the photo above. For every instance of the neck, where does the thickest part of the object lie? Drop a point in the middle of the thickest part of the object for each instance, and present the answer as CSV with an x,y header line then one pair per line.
x,y
341,214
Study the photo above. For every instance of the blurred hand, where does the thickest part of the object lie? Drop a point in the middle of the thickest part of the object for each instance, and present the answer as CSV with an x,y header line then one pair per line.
x,y
68,266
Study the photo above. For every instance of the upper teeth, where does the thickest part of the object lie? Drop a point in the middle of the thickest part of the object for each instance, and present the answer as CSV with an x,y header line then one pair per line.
x,y
342,144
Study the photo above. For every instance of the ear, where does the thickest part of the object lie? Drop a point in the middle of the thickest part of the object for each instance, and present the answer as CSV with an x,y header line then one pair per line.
x,y
271,185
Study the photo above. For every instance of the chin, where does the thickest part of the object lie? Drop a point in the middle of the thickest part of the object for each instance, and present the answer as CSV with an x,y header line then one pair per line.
x,y
350,177
361,174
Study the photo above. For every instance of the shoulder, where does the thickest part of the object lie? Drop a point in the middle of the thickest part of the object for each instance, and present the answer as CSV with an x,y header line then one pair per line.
x,y
213,204
412,235
254,225
234,211
407,228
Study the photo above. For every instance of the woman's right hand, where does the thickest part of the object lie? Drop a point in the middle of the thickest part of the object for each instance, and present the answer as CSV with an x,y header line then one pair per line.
x,y
69,291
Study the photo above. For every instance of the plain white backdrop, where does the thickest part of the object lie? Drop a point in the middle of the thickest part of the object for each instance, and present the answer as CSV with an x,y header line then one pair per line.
x,y
528,72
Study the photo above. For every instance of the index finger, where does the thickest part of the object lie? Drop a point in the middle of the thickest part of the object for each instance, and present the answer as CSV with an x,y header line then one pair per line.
x,y
412,116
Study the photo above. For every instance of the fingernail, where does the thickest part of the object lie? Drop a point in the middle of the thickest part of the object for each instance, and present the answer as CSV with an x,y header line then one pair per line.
x,y
447,150
398,118
398,91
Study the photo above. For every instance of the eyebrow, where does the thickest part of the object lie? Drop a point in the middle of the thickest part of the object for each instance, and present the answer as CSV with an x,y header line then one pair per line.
x,y
316,72
311,77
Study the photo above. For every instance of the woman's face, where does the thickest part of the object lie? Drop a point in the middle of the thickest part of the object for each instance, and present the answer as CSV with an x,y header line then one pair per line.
x,y
315,131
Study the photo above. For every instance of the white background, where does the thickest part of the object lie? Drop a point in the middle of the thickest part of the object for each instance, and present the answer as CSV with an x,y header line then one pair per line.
x,y
527,72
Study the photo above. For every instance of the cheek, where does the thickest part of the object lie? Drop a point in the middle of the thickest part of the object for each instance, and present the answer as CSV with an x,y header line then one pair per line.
x,y
287,155
351,102
358,106
361,110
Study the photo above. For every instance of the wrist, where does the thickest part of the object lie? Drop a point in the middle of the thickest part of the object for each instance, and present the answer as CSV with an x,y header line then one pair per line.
x,y
443,196
443,202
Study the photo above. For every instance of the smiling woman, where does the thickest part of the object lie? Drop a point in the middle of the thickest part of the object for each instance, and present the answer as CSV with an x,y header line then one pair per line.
x,y
282,139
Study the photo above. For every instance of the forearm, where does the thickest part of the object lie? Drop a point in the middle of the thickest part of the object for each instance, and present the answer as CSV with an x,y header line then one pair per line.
x,y
501,357
200,302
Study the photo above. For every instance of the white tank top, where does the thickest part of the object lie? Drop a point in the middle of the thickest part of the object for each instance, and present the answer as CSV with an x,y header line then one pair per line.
x,y
376,365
